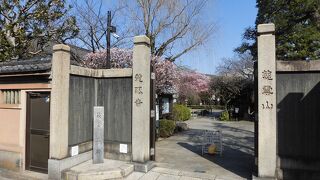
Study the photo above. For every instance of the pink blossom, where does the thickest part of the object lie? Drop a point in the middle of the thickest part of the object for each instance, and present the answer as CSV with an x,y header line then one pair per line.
x,y
165,71
120,58
169,78
166,76
192,82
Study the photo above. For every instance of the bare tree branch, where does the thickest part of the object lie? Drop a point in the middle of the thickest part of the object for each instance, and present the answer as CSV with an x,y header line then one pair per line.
x,y
167,22
238,66
174,27
92,20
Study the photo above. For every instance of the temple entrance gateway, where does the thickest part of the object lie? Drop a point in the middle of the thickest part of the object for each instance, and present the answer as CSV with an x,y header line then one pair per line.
x,y
53,131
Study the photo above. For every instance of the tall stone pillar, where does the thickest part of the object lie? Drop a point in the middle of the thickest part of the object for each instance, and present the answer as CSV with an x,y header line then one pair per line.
x,y
141,99
267,104
59,106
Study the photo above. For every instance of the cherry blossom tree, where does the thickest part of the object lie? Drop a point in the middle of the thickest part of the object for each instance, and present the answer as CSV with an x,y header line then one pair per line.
x,y
166,71
120,58
169,78
191,84
166,76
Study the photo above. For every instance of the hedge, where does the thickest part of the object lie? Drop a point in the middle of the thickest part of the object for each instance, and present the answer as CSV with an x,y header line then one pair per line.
x,y
206,107
181,112
225,116
166,128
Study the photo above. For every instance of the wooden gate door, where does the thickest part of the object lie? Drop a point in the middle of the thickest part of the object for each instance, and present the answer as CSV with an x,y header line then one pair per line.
x,y
37,131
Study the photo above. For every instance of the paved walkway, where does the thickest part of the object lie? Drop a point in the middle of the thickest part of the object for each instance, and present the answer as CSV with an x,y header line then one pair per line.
x,y
179,157
159,173
182,151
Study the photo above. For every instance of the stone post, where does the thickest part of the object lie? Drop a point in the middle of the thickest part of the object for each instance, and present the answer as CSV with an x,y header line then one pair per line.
x,y
267,104
59,107
98,135
141,99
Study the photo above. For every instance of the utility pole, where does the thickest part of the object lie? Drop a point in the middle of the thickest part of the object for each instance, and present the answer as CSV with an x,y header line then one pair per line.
x,y
108,64
110,29
153,127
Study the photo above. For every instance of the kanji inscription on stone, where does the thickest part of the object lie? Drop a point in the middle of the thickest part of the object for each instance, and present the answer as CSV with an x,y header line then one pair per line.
x,y
138,77
98,134
138,90
267,105
138,102
267,74
267,90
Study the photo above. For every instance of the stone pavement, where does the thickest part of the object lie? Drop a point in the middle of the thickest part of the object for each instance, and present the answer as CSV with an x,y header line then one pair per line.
x,y
179,157
183,151
159,173
109,169
26,175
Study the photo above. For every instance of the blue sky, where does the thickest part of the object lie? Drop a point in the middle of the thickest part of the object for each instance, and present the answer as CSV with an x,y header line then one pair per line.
x,y
231,17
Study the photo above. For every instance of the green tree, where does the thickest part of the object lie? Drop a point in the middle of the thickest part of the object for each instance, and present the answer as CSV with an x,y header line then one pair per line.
x,y
234,83
26,26
297,28
227,88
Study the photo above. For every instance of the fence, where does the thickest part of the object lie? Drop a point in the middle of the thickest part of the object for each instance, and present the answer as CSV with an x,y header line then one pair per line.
x,y
298,102
115,94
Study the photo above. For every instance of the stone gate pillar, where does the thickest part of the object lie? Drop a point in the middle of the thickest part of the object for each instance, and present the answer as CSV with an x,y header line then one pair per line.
x,y
267,105
141,99
59,107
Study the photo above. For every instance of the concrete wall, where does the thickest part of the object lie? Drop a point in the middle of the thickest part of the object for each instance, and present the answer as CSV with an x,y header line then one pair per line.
x,y
298,102
86,91
81,103
11,150
115,94
116,97
10,122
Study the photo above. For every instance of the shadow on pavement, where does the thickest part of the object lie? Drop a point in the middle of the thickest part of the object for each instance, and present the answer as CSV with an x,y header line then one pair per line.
x,y
223,127
237,155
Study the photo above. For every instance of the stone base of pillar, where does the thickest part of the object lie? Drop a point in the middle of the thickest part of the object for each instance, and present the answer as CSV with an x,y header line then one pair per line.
x,y
144,167
56,167
262,178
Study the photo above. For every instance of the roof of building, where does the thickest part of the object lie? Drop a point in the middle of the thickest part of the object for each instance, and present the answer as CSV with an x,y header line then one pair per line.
x,y
170,90
32,65
38,64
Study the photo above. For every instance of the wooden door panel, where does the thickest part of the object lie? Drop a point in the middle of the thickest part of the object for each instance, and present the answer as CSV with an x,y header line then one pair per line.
x,y
38,121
